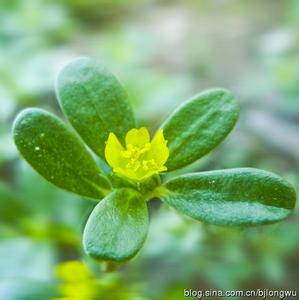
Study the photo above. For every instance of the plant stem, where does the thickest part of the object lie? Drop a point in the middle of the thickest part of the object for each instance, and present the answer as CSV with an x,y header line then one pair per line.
x,y
110,266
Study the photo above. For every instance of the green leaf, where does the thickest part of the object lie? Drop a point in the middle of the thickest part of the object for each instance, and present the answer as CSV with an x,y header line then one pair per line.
x,y
242,196
199,125
12,207
94,102
57,154
117,227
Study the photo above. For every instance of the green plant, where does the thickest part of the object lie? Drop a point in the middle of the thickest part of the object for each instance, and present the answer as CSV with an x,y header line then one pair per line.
x,y
96,106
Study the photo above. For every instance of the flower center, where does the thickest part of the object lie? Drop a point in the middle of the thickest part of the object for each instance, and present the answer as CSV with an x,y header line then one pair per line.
x,y
137,158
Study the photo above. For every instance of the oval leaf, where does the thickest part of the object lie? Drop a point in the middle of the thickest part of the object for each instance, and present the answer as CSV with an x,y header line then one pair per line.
x,y
242,196
94,102
57,154
199,125
117,227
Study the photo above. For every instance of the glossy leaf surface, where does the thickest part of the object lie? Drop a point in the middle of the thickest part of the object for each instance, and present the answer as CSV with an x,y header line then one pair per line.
x,y
199,125
57,154
94,102
232,197
117,227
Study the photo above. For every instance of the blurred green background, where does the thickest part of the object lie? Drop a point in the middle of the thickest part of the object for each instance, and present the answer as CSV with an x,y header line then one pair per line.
x,y
164,52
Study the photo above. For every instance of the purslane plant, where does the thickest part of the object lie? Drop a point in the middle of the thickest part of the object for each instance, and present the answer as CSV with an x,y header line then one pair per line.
x,y
96,106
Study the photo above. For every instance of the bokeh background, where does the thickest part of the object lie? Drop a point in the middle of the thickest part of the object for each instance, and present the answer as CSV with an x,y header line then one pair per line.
x,y
164,52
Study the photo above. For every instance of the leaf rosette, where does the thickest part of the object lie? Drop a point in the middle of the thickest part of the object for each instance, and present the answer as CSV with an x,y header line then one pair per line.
x,y
96,105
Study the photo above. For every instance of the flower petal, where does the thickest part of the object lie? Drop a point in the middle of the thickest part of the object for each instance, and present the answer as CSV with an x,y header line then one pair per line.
x,y
159,150
112,151
126,173
138,137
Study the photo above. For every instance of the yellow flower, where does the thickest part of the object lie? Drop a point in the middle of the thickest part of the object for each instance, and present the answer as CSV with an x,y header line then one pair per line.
x,y
141,158
77,281
72,271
